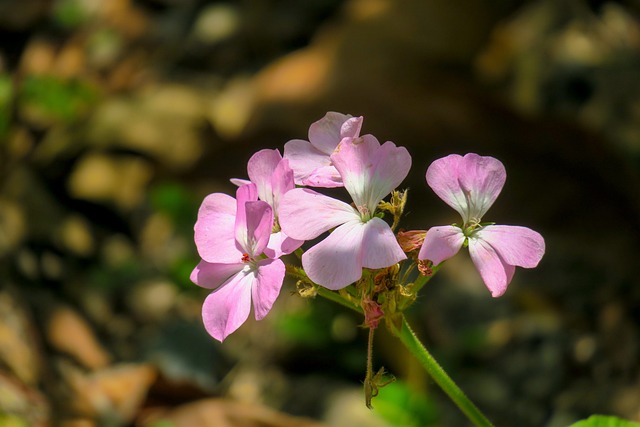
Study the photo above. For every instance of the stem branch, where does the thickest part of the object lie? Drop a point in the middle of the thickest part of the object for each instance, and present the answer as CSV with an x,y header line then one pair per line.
x,y
413,344
336,297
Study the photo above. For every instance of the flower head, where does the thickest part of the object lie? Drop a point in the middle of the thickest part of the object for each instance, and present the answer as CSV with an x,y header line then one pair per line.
x,y
370,171
231,236
470,185
311,160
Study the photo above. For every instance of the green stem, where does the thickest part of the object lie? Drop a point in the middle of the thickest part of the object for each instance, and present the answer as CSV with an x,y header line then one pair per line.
x,y
413,344
296,272
336,297
368,380
433,368
299,274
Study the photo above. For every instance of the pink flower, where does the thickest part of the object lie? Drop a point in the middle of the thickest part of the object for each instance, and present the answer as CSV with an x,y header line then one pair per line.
x,y
231,236
369,172
470,185
273,177
311,160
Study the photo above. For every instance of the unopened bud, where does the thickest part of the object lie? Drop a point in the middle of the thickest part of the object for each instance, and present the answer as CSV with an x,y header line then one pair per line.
x,y
411,240
372,313
424,267
305,290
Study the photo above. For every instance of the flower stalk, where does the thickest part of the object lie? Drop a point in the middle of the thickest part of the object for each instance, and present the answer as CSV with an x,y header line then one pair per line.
x,y
433,368
368,380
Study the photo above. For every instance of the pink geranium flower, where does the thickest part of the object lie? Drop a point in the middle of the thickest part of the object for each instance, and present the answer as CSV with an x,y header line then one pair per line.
x,y
273,178
470,185
311,160
231,236
370,171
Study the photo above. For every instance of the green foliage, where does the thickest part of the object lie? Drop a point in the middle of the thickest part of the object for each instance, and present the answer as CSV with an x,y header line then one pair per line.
x,y
69,13
402,406
180,271
6,96
309,327
114,278
473,338
604,421
175,201
51,99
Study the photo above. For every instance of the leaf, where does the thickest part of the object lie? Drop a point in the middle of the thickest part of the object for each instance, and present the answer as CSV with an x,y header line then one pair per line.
x,y
604,421
401,405
70,333
115,393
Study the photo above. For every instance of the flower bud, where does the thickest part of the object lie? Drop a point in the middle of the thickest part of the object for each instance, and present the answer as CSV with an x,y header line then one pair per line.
x,y
411,240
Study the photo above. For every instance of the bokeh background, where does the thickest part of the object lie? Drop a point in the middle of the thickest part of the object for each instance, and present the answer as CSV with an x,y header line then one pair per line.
x,y
118,116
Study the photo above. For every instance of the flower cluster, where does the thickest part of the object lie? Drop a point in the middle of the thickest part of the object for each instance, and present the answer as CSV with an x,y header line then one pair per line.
x,y
241,240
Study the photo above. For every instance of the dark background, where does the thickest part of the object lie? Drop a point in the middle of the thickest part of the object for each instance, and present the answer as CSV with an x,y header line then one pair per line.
x,y
117,117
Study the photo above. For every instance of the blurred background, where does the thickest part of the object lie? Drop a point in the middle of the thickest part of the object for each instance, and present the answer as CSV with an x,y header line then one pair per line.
x,y
118,116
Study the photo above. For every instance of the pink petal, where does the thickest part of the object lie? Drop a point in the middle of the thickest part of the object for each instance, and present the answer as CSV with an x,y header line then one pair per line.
x,y
442,177
469,184
495,272
267,286
380,248
280,244
253,227
441,243
305,214
306,160
391,167
325,177
336,261
214,229
370,171
519,246
351,128
244,194
239,182
260,169
325,134
354,161
227,308
281,182
211,276
482,179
